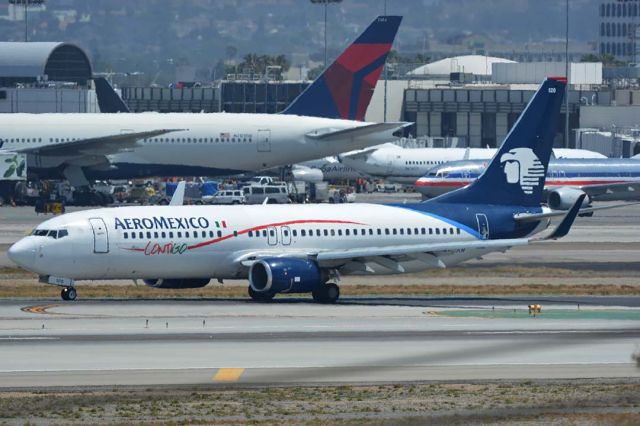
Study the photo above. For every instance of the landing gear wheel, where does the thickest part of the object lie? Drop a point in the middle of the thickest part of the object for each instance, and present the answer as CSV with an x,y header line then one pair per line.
x,y
68,293
328,293
260,297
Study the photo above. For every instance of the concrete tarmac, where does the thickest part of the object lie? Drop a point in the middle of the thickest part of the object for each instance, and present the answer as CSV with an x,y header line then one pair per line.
x,y
219,342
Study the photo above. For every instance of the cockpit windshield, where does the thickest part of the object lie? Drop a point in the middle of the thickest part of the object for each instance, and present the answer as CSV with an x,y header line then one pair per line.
x,y
52,233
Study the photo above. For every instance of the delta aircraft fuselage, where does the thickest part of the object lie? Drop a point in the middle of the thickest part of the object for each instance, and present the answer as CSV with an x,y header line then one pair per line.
x,y
198,144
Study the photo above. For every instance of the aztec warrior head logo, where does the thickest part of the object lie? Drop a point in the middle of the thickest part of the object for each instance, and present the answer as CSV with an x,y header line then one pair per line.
x,y
522,166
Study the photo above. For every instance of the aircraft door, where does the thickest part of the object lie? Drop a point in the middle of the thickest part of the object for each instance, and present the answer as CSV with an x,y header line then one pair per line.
x,y
100,236
286,235
272,236
483,225
264,140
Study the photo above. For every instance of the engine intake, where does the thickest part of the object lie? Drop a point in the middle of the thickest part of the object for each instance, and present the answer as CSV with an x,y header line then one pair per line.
x,y
178,282
285,275
564,198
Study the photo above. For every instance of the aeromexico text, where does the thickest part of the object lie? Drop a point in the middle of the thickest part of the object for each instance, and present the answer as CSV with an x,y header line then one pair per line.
x,y
161,222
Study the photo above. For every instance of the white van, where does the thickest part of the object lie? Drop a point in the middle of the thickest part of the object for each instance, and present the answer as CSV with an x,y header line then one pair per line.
x,y
276,194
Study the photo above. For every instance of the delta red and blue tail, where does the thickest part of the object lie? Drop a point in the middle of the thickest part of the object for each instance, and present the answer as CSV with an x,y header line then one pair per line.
x,y
345,88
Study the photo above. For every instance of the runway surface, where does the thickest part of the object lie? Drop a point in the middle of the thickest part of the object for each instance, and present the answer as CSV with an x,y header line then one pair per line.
x,y
96,343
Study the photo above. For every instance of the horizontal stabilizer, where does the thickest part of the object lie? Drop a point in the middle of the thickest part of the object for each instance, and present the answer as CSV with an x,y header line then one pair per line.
x,y
355,132
535,217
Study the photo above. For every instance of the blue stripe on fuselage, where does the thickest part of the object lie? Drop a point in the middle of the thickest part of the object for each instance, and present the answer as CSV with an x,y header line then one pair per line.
x,y
451,222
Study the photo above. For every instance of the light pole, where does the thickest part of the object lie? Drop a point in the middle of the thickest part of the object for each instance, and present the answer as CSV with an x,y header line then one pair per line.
x,y
326,4
26,4
566,72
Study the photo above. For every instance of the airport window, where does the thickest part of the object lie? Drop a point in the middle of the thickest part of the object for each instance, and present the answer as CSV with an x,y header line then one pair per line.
x,y
303,233
430,231
364,232
379,231
346,232
458,229
149,235
451,231
186,235
395,231
164,235
141,235
217,140
155,235
408,231
340,232
386,231
272,233
204,234
133,235
235,233
333,232
423,231
210,234
170,234
318,233
264,233
125,235
250,234
179,234
295,233
437,231
401,231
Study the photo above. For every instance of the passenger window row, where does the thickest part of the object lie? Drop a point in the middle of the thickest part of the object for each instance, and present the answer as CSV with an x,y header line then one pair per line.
x,y
200,140
359,232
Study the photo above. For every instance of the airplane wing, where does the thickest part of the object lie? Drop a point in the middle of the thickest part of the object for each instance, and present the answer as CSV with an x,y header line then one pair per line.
x,y
386,256
103,145
594,191
355,132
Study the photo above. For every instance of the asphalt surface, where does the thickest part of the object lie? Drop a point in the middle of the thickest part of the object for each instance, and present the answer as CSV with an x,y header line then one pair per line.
x,y
220,342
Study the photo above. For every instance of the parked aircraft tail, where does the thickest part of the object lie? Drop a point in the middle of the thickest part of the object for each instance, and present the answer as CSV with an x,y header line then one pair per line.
x,y
345,88
108,99
516,174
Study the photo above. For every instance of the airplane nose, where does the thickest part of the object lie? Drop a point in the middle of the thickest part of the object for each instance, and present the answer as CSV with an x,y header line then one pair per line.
x,y
23,253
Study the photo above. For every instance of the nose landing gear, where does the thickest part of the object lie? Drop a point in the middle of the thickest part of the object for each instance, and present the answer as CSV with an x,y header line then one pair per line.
x,y
68,293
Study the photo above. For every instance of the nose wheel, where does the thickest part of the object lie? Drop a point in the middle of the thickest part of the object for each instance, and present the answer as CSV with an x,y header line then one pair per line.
x,y
68,293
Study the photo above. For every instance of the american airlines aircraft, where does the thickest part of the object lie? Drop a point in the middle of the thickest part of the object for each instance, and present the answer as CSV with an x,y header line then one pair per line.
x,y
405,165
608,179
324,120
305,248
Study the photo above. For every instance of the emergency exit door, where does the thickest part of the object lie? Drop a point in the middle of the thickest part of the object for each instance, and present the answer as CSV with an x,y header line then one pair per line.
x,y
100,237
264,140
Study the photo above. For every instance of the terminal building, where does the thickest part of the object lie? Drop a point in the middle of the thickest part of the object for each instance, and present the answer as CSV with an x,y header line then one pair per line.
x,y
620,29
41,77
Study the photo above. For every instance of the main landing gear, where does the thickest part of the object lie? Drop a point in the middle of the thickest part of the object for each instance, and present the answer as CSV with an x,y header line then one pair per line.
x,y
68,293
328,293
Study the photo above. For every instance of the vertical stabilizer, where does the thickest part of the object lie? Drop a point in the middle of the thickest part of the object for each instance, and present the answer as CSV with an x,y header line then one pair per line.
x,y
345,88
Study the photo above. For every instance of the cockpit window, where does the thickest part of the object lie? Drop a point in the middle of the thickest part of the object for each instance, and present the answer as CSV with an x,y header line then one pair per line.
x,y
52,233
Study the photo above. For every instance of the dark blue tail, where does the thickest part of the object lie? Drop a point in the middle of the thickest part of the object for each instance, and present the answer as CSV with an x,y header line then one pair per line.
x,y
108,99
345,88
516,174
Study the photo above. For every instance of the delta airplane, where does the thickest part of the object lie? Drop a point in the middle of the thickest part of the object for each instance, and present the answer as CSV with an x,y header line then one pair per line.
x,y
306,248
405,165
324,120
608,179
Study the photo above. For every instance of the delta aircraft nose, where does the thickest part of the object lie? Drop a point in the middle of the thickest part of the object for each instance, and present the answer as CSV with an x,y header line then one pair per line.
x,y
23,253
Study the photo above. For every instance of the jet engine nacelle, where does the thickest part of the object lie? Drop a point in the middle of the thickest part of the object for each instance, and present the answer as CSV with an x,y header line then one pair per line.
x,y
307,174
563,198
277,275
178,283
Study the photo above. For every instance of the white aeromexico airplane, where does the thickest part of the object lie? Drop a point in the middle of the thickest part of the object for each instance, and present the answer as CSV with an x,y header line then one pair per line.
x,y
305,248
405,165
324,120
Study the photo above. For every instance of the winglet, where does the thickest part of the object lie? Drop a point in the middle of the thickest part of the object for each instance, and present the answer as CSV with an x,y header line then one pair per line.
x,y
178,196
563,227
